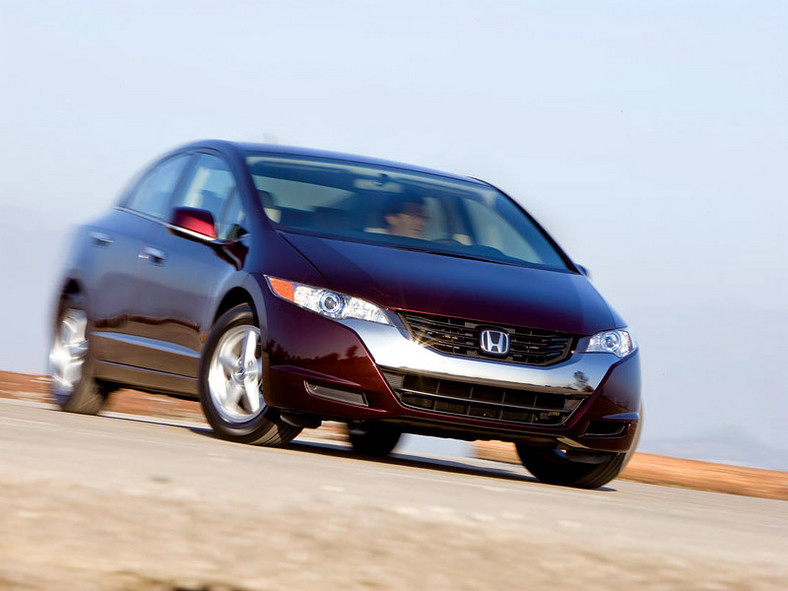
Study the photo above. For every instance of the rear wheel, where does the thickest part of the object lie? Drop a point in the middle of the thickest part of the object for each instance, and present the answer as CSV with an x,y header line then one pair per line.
x,y
373,438
231,383
70,366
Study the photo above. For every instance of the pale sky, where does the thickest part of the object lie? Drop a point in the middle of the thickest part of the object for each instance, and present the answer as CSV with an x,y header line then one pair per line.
x,y
650,138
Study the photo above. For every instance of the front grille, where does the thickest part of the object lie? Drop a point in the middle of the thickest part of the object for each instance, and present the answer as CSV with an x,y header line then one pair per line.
x,y
457,398
457,336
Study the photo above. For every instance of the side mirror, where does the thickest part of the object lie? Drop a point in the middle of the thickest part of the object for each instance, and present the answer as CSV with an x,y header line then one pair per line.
x,y
197,221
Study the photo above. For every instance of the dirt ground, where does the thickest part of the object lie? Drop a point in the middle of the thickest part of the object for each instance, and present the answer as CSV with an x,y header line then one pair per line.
x,y
647,468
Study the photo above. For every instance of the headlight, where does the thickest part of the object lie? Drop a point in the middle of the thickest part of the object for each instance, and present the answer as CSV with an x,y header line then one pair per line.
x,y
619,342
326,302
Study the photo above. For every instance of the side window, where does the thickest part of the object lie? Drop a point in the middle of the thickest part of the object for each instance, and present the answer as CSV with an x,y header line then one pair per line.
x,y
212,187
153,193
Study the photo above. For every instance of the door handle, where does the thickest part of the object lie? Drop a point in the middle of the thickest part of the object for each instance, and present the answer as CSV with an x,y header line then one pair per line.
x,y
100,238
154,255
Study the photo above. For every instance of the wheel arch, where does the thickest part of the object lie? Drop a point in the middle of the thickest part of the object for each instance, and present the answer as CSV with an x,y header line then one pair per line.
x,y
246,291
70,287
235,297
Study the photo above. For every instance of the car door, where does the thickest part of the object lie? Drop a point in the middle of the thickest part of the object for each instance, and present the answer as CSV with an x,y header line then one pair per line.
x,y
184,274
117,243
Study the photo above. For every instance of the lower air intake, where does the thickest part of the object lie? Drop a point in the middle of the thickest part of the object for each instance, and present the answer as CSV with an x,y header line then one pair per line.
x,y
508,405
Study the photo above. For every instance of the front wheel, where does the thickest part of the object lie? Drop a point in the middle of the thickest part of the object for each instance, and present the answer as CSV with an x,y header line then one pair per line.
x,y
567,468
231,383
577,468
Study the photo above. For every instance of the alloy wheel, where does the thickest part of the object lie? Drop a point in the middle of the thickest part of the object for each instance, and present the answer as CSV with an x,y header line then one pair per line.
x,y
69,350
235,375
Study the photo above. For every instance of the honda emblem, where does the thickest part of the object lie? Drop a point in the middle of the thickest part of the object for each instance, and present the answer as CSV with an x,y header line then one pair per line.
x,y
494,342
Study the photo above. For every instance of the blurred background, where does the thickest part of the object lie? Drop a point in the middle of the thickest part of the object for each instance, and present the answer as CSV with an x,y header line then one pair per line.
x,y
650,138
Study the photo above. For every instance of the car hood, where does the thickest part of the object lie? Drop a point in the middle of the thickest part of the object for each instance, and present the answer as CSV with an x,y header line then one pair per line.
x,y
466,288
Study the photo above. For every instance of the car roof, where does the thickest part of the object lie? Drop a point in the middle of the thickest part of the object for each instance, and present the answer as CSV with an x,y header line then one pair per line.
x,y
275,149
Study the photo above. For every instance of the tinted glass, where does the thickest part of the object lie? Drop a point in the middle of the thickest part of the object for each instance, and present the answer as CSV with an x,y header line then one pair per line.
x,y
398,208
153,193
212,187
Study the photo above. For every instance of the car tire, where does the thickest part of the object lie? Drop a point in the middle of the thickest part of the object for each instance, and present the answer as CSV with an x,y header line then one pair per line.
x,y
70,363
575,468
554,466
231,384
373,438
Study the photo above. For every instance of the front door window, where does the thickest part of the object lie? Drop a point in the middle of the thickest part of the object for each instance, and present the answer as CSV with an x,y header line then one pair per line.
x,y
212,187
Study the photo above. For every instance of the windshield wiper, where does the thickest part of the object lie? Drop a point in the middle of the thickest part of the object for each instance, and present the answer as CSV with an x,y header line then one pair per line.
x,y
455,255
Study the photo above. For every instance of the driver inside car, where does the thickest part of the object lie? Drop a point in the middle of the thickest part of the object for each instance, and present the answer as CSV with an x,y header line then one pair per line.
x,y
406,216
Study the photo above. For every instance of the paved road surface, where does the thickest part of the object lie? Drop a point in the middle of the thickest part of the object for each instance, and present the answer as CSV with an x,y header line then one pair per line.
x,y
135,503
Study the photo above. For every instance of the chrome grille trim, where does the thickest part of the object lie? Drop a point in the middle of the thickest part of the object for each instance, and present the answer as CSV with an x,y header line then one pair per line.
x,y
460,337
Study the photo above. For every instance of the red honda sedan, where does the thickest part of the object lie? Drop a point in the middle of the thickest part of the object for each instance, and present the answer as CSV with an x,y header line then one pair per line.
x,y
286,286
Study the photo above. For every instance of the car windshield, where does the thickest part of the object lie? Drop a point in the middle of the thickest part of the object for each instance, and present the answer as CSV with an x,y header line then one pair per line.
x,y
398,208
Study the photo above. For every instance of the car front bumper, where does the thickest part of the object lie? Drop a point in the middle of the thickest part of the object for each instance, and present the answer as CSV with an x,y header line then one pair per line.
x,y
357,370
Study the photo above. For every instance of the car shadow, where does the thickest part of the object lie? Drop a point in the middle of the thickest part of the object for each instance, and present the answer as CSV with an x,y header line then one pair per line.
x,y
436,464
432,463
495,470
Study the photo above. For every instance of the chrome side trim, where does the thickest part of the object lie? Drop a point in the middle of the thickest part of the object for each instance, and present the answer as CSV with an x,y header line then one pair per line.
x,y
391,347
154,344
148,371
